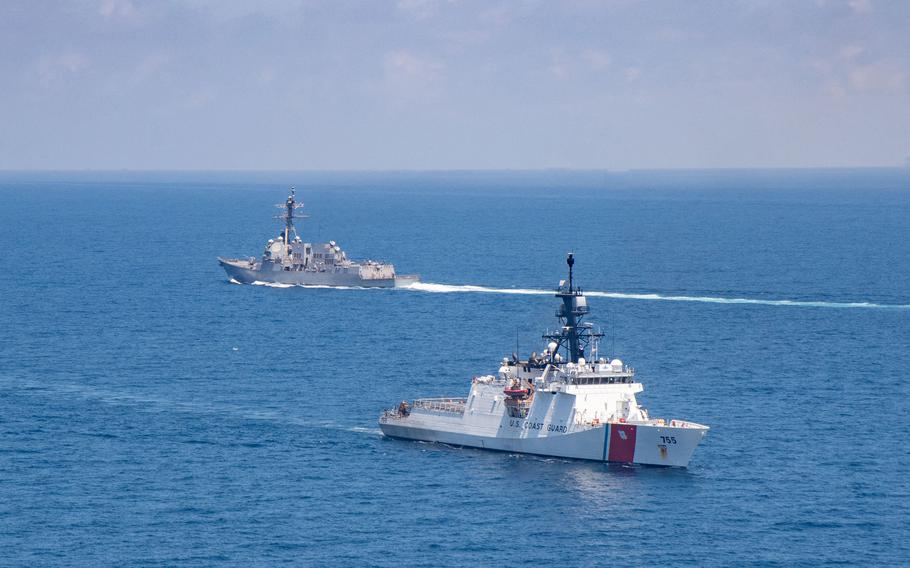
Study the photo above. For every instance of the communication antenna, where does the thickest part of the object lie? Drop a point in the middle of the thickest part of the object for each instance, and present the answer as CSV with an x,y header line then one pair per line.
x,y
613,333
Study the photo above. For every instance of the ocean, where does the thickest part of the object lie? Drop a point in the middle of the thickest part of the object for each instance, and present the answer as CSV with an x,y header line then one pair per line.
x,y
153,413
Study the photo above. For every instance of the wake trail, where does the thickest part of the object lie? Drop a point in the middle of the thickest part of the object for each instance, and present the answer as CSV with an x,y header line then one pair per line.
x,y
152,404
434,288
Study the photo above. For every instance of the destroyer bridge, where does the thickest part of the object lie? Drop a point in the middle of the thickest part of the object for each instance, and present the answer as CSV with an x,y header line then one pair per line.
x,y
556,403
287,259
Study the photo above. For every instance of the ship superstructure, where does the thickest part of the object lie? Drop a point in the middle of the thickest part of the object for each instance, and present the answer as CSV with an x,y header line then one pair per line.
x,y
558,403
288,260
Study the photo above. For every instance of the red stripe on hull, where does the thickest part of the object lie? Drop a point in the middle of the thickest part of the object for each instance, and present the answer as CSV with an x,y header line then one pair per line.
x,y
622,443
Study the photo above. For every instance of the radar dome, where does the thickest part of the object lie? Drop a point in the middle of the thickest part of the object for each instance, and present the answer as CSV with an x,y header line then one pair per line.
x,y
581,361
616,364
552,347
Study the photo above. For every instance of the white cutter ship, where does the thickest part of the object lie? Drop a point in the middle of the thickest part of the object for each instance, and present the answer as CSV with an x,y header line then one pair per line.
x,y
553,405
289,260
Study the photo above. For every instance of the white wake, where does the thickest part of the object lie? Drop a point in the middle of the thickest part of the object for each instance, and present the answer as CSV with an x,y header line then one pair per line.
x,y
434,288
313,286
450,289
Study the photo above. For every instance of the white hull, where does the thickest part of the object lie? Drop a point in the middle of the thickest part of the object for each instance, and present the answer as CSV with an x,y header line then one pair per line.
x,y
642,443
548,405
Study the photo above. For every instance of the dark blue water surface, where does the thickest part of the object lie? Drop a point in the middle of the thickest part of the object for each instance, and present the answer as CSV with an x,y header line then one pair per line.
x,y
151,412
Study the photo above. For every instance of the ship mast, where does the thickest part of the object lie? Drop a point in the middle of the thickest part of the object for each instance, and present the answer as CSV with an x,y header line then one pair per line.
x,y
575,336
288,216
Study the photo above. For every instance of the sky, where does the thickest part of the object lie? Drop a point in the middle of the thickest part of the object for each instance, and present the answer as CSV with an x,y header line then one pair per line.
x,y
450,84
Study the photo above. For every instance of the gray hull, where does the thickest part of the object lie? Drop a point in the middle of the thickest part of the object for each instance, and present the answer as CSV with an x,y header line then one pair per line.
x,y
239,271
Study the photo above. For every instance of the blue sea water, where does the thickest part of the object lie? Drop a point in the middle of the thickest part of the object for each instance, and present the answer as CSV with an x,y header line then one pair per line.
x,y
152,413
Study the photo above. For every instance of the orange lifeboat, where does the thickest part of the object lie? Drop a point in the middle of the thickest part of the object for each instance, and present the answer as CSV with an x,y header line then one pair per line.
x,y
516,393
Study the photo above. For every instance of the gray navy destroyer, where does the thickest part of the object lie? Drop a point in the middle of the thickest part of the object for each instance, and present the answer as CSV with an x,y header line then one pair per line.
x,y
566,402
289,260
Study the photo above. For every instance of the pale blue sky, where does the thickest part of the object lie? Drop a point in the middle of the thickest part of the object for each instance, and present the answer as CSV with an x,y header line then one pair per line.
x,y
423,84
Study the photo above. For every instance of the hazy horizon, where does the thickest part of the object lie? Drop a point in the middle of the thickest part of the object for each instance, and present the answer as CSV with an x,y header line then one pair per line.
x,y
424,85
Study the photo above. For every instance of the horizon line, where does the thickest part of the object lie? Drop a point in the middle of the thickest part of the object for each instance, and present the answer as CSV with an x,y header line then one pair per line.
x,y
452,170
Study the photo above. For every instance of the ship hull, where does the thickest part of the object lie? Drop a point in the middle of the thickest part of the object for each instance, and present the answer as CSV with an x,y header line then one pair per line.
x,y
240,272
619,443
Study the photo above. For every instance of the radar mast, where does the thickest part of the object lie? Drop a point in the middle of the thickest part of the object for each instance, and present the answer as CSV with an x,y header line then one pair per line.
x,y
574,336
290,206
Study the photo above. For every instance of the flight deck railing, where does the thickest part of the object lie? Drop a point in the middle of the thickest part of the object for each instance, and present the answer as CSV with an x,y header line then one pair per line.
x,y
451,405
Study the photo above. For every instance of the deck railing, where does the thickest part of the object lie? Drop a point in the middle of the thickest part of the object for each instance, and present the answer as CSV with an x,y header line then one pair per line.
x,y
451,405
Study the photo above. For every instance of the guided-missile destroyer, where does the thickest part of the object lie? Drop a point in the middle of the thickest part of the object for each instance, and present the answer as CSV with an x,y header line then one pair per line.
x,y
289,260
558,403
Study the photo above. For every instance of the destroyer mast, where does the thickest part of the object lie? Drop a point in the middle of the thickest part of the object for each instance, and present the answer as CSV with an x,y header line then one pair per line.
x,y
288,216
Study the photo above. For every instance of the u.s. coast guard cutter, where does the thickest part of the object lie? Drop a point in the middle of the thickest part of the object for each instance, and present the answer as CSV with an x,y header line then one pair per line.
x,y
289,260
553,405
